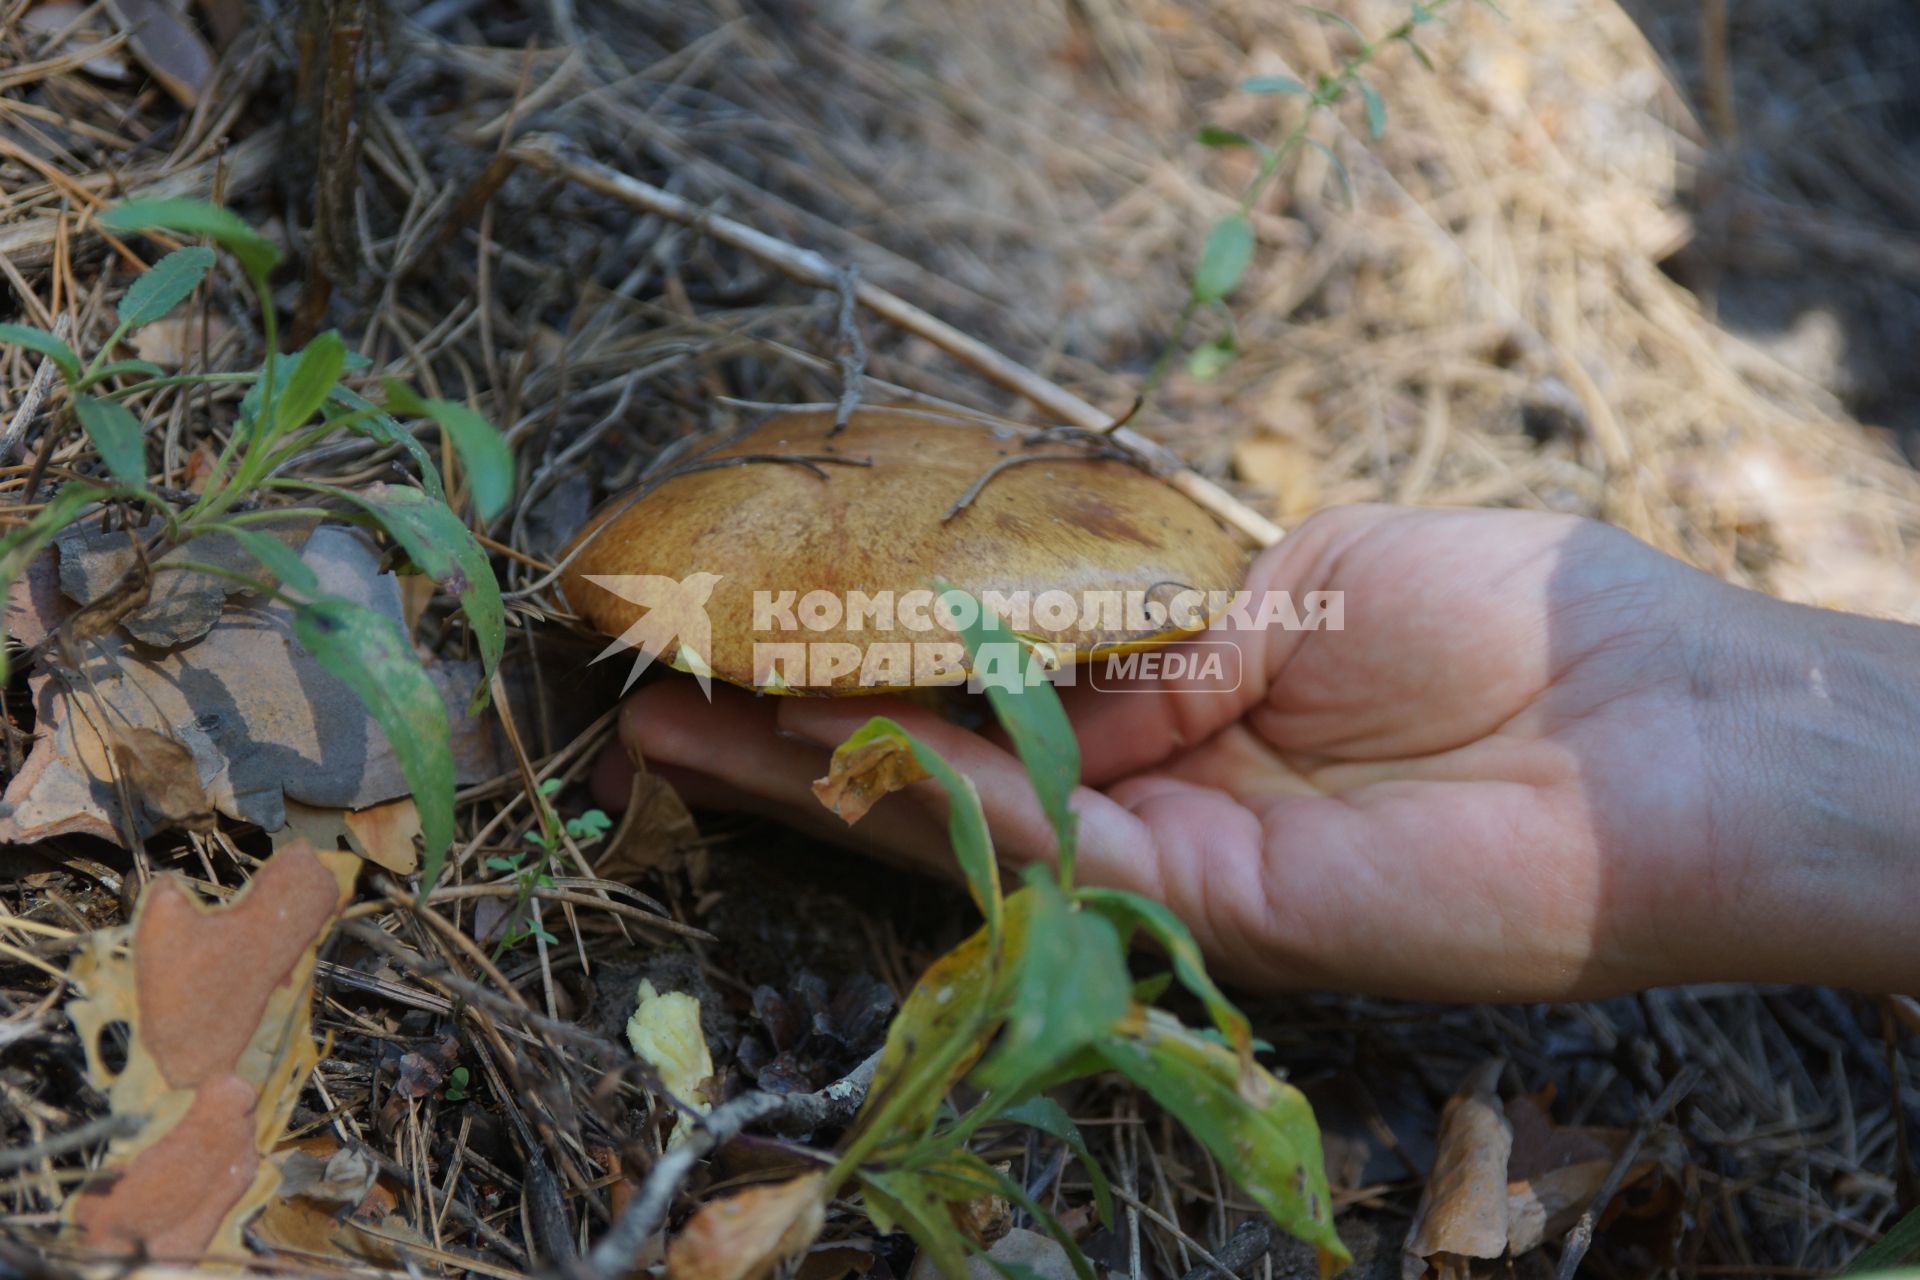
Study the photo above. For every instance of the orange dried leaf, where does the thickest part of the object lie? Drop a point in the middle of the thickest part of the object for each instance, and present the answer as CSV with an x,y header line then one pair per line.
x,y
170,1200
747,1234
860,775
1463,1211
217,1004
384,835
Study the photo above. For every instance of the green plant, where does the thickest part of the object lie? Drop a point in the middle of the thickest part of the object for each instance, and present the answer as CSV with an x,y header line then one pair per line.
x,y
1892,1252
1041,995
456,1090
588,828
292,403
1228,249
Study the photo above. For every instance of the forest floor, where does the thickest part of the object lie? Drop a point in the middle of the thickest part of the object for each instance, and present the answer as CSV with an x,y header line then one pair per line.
x,y
1607,261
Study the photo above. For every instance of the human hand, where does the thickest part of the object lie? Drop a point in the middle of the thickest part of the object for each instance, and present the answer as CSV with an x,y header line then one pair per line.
x,y
1541,760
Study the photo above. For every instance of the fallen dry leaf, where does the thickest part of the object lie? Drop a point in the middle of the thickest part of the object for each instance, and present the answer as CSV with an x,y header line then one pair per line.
x,y
172,341
167,46
859,777
162,775
49,19
264,721
747,1234
1282,467
1556,1170
655,833
330,1201
1463,1210
217,1006
180,605
1039,1255
384,835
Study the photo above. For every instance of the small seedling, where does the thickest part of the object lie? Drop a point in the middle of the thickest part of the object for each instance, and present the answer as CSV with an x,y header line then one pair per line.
x,y
588,828
292,403
456,1090
1228,250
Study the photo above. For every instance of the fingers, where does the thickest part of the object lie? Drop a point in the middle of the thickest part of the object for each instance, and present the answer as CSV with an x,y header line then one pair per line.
x,y
731,754
1115,847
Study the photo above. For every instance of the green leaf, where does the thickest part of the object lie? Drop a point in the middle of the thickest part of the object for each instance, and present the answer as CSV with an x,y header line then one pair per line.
x,y
1376,110
942,1028
1130,911
1261,1130
1895,1249
18,548
966,821
1030,711
365,418
1050,1118
116,433
914,1202
1212,135
25,335
1274,84
1070,988
164,286
1151,988
1327,15
281,560
311,379
1224,258
445,550
1339,168
257,255
370,656
105,371
481,449
1212,359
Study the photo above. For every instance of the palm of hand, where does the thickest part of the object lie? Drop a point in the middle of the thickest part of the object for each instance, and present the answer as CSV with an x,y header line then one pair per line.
x,y
1476,788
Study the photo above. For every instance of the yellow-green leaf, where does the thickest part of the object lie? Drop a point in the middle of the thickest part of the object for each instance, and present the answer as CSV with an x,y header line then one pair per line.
x,y
942,1029
1130,911
315,372
1070,986
1261,1130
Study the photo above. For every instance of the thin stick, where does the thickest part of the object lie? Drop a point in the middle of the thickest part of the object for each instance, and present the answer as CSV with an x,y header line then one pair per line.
x,y
36,392
852,353
557,156
614,1254
1582,1233
965,500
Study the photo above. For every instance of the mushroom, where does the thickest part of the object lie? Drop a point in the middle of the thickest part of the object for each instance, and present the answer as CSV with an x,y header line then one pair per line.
x,y
797,534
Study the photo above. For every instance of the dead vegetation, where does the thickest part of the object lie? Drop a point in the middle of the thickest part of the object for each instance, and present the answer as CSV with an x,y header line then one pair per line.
x,y
1486,320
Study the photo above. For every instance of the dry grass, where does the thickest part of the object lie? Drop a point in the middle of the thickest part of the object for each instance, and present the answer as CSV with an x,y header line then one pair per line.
x,y
1488,323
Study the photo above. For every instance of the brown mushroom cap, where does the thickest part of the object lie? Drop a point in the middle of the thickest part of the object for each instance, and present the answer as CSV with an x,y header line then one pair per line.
x,y
1064,522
